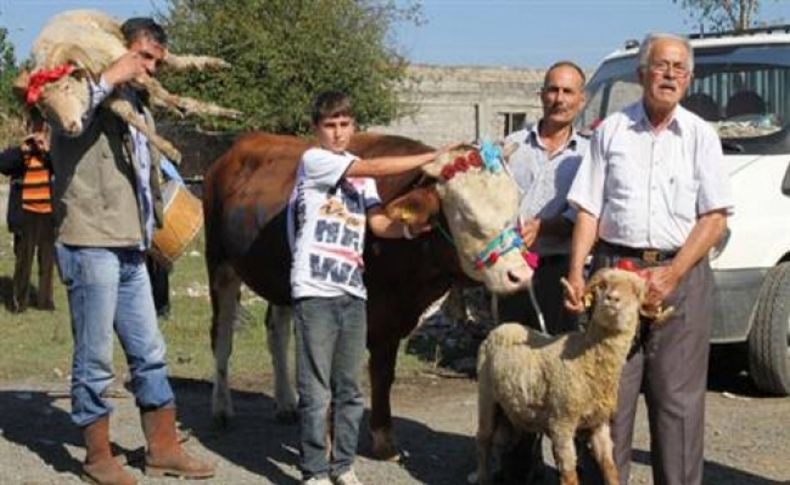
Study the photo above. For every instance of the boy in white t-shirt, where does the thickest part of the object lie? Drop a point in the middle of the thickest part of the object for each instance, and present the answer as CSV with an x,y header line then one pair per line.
x,y
330,204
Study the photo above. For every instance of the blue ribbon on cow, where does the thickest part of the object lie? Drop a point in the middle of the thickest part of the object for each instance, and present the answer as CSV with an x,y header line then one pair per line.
x,y
491,155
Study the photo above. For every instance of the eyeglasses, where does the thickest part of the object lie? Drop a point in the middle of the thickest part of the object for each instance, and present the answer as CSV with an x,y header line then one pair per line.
x,y
664,67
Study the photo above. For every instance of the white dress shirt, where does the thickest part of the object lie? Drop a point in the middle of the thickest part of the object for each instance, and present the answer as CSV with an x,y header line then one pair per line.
x,y
648,189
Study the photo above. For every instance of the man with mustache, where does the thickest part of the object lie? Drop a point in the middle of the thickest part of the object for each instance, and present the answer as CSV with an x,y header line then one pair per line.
x,y
652,191
548,155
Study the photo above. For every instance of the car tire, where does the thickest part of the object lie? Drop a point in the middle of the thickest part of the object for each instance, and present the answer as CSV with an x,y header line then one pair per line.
x,y
769,356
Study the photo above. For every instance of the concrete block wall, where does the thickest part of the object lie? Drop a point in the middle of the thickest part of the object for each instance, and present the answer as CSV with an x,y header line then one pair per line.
x,y
444,104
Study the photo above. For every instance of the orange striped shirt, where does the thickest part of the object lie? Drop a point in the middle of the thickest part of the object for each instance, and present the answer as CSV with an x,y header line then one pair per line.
x,y
36,195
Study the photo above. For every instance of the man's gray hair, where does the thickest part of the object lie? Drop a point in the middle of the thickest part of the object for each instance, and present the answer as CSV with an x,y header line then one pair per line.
x,y
647,45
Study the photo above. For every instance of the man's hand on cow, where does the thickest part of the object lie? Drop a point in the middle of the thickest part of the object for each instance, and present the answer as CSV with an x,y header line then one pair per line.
x,y
126,68
529,230
574,293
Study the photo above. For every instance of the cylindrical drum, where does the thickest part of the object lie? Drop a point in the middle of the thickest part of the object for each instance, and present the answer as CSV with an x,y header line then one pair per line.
x,y
183,214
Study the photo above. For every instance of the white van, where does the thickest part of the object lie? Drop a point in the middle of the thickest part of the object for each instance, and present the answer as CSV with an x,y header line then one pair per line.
x,y
741,85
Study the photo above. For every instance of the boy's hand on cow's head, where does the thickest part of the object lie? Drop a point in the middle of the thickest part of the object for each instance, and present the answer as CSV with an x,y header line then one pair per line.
x,y
447,149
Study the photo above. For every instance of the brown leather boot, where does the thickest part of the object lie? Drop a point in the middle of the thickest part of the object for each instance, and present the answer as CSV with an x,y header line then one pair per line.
x,y
100,467
164,455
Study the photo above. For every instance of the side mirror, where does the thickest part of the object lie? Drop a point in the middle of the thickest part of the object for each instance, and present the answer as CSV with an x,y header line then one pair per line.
x,y
786,182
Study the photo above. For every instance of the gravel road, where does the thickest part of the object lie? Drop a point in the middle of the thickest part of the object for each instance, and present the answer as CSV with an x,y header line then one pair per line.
x,y
747,436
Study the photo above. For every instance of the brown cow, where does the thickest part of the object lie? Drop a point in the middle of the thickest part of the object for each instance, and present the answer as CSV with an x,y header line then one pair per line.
x,y
245,194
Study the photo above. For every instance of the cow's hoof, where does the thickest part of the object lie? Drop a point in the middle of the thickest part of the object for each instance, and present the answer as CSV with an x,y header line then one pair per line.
x,y
383,446
287,416
387,454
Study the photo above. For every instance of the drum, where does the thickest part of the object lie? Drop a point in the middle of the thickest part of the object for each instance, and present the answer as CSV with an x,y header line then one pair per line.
x,y
183,218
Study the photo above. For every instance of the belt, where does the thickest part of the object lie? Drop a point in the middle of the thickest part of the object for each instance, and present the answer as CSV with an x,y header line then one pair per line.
x,y
648,255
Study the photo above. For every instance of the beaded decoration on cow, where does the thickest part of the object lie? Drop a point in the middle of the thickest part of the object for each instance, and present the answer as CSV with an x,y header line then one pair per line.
x,y
461,164
508,240
489,158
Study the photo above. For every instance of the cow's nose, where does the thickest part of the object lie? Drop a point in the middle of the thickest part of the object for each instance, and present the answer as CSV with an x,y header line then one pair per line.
x,y
72,127
519,278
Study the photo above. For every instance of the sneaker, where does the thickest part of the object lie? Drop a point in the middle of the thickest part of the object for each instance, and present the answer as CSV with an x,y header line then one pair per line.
x,y
317,481
348,477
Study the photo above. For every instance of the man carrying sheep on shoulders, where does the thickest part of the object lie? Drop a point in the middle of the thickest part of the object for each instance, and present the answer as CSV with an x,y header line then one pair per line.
x,y
652,191
107,203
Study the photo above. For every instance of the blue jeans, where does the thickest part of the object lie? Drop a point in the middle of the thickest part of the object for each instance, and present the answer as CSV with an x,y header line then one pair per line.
x,y
109,288
330,349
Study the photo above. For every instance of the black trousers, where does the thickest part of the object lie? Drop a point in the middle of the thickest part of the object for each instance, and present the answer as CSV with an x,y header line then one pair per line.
x,y
36,239
548,292
160,285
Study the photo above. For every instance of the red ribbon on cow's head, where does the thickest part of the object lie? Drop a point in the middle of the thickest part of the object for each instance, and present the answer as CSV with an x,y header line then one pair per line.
x,y
42,77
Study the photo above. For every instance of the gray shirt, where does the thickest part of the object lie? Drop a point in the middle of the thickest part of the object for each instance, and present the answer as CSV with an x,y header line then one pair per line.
x,y
648,189
544,180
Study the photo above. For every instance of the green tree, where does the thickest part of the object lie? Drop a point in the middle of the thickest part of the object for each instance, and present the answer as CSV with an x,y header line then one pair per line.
x,y
9,105
721,15
284,52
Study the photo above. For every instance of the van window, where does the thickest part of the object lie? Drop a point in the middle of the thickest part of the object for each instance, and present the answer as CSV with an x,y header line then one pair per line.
x,y
743,91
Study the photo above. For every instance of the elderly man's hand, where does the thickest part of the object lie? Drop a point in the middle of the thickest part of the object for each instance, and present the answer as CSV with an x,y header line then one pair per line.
x,y
662,281
574,293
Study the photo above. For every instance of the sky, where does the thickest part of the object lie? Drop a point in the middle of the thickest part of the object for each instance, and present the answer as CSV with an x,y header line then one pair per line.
x,y
522,33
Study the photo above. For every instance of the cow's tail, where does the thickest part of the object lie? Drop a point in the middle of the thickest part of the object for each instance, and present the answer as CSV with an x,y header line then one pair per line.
x,y
217,257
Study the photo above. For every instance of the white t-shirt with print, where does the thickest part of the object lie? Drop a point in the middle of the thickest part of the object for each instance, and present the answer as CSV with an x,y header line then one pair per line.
x,y
326,226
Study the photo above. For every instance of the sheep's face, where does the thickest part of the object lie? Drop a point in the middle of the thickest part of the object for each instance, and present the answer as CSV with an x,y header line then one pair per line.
x,y
65,101
618,297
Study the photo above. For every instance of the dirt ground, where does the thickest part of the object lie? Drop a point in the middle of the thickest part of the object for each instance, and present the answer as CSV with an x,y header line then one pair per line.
x,y
747,436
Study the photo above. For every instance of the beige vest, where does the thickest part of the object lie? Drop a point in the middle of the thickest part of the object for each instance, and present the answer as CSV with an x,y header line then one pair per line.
x,y
94,196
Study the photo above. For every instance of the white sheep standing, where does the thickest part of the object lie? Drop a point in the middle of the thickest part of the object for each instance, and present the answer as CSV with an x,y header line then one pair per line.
x,y
530,382
87,42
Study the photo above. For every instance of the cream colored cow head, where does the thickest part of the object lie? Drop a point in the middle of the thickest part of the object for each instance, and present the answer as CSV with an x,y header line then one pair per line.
x,y
479,199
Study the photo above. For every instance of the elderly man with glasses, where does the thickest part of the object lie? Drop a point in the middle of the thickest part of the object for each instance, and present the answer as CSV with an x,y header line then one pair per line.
x,y
652,191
